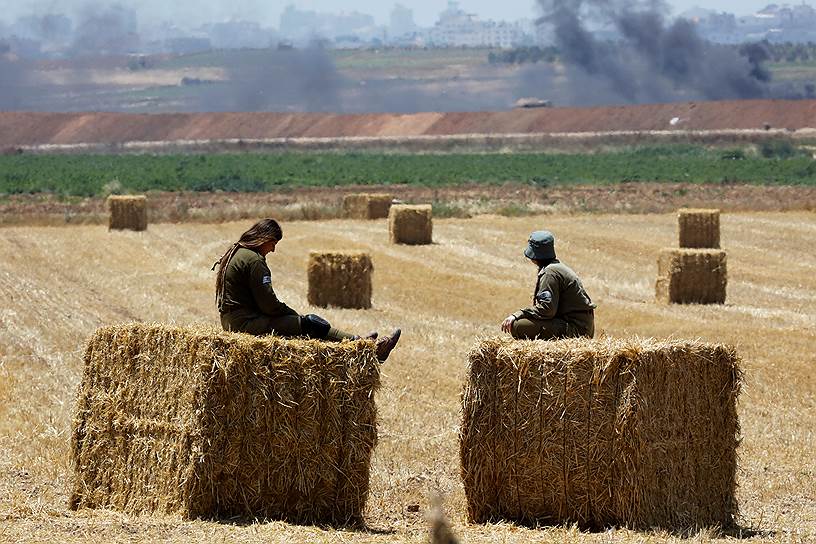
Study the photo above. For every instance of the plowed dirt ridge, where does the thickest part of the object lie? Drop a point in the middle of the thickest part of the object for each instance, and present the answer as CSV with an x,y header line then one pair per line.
x,y
30,129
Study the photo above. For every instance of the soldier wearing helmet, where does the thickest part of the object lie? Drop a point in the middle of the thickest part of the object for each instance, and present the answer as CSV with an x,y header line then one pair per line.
x,y
560,307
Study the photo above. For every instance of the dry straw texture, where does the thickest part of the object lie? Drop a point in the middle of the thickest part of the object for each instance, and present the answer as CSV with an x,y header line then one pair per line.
x,y
699,228
340,278
127,212
367,206
200,423
691,276
638,433
411,224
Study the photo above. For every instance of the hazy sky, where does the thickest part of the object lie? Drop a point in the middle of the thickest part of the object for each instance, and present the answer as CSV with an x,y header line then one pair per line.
x,y
268,12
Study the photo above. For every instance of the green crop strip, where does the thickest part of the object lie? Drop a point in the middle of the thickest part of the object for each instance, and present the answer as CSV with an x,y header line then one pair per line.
x,y
773,163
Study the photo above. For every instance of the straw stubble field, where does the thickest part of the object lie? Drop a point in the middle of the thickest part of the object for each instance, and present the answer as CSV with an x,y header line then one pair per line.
x,y
59,284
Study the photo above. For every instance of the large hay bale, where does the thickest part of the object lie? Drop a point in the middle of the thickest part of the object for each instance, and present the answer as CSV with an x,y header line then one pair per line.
x,y
691,276
367,205
636,433
205,423
699,228
340,278
411,224
127,212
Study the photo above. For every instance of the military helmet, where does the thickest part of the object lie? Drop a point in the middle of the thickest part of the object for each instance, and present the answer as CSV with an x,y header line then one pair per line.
x,y
540,246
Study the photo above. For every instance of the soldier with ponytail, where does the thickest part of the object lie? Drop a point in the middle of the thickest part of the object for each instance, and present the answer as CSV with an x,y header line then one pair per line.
x,y
247,302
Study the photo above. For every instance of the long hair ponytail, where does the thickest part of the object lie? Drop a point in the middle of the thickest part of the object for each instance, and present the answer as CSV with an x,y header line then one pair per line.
x,y
265,230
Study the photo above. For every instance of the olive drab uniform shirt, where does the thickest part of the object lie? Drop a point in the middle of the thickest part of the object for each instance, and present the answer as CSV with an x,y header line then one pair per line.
x,y
248,289
559,294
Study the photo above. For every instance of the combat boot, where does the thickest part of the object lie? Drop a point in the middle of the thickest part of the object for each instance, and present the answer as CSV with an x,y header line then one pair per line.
x,y
386,344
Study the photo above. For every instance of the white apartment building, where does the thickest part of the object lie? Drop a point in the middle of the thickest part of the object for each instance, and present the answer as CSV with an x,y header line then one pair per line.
x,y
457,28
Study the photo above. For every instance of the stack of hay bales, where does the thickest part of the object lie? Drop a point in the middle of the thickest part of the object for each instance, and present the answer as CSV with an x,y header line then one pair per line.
x,y
638,433
127,212
697,272
340,278
204,423
411,224
367,206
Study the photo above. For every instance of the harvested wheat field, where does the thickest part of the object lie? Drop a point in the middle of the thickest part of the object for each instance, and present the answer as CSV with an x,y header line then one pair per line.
x,y
59,284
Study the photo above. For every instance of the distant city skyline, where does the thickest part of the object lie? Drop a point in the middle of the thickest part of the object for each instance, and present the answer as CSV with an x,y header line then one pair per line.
x,y
268,12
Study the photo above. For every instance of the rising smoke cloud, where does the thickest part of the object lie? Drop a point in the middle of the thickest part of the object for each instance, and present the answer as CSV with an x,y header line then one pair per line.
x,y
110,30
652,60
308,80
13,79
277,80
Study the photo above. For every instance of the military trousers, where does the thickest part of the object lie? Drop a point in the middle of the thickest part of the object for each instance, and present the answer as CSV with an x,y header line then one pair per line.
x,y
551,329
284,325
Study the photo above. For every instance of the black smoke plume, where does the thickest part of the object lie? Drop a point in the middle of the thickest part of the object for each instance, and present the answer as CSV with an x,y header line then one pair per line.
x,y
307,80
112,30
650,59
13,79
277,80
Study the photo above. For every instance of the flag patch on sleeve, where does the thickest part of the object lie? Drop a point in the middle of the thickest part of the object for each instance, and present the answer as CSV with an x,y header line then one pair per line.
x,y
545,297
266,280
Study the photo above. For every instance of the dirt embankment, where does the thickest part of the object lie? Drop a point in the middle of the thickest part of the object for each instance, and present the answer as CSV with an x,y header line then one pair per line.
x,y
34,129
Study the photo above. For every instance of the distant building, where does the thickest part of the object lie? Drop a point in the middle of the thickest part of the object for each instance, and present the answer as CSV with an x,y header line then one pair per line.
x,y
304,26
238,35
775,23
457,28
720,28
402,22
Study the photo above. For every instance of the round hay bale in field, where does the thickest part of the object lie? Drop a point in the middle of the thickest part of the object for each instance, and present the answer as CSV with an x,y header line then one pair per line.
x,y
691,276
340,278
639,433
367,205
411,224
127,212
198,422
699,228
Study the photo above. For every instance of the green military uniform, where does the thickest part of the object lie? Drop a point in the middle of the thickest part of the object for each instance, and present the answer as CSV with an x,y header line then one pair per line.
x,y
561,307
250,305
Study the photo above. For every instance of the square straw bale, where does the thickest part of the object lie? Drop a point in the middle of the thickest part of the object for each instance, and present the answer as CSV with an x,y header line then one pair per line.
x,y
636,433
411,224
691,276
204,423
367,205
127,212
699,228
340,278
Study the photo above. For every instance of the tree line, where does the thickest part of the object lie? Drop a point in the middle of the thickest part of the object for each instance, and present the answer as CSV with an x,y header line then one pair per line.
x,y
781,52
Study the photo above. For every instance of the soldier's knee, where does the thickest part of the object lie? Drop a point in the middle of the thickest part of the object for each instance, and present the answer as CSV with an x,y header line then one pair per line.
x,y
315,326
526,329
522,329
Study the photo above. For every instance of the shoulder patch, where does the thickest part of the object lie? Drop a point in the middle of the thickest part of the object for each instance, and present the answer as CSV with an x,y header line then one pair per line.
x,y
266,280
544,297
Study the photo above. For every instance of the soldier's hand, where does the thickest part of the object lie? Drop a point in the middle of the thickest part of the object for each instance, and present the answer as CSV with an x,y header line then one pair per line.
x,y
507,325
